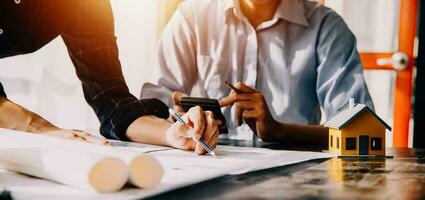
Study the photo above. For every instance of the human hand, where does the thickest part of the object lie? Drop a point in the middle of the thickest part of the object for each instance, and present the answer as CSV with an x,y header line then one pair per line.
x,y
200,124
76,135
16,117
250,106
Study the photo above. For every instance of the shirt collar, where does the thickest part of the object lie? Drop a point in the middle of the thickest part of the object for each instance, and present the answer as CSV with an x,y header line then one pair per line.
x,y
292,11
289,10
232,7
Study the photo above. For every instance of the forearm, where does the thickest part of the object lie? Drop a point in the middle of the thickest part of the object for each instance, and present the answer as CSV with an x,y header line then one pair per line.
x,y
13,116
316,135
252,107
149,129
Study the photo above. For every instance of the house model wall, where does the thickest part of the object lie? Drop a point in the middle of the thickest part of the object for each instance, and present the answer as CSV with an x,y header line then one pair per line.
x,y
357,130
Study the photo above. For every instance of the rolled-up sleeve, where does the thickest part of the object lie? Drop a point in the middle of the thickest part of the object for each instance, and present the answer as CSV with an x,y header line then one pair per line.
x,y
175,64
92,47
2,93
340,72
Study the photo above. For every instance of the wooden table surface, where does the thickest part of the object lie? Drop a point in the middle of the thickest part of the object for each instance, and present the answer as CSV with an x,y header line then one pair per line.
x,y
401,177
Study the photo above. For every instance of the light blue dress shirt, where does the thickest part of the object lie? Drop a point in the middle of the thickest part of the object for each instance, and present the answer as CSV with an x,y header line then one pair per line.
x,y
302,60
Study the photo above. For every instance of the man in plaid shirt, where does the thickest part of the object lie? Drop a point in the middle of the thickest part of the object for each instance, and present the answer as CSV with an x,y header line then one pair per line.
x,y
87,28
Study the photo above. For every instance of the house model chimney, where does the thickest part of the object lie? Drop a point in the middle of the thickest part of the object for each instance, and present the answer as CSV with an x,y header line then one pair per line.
x,y
351,103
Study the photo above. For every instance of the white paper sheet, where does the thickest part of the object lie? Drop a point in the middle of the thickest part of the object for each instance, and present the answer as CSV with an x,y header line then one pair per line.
x,y
181,169
235,160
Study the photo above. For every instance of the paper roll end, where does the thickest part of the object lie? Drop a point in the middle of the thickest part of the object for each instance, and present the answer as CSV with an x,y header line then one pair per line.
x,y
108,175
146,171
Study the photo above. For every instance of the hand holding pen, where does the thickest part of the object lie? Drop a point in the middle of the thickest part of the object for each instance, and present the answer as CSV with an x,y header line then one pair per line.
x,y
198,130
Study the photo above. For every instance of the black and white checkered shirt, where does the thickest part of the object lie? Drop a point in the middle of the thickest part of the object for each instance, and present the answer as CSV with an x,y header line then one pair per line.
x,y
87,28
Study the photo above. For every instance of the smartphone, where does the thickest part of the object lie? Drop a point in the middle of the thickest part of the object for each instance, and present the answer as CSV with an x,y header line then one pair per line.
x,y
208,105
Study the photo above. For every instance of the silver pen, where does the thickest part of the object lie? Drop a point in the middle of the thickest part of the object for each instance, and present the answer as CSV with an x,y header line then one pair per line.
x,y
205,145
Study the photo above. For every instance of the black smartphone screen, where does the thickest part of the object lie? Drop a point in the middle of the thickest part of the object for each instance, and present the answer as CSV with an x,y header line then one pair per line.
x,y
206,104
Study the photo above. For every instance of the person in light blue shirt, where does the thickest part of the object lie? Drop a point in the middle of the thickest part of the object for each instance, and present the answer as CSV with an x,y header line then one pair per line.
x,y
290,58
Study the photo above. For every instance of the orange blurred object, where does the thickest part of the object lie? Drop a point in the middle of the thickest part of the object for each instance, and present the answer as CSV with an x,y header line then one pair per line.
x,y
404,89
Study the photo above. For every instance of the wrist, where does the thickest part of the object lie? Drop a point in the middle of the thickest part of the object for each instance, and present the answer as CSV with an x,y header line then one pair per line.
x,y
267,129
169,131
39,125
149,129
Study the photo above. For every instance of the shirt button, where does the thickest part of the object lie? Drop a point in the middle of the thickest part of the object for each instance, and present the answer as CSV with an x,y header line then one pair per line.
x,y
17,1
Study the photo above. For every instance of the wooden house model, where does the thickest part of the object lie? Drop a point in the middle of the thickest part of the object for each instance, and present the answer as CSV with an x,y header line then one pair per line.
x,y
357,130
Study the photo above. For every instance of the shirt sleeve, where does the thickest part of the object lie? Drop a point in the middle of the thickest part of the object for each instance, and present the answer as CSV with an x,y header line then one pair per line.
x,y
92,47
175,66
340,72
2,93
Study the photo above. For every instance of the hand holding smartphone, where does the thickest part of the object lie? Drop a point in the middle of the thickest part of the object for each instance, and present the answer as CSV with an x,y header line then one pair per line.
x,y
208,105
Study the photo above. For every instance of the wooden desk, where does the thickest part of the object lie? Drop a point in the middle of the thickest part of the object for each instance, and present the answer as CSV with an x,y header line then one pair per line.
x,y
402,177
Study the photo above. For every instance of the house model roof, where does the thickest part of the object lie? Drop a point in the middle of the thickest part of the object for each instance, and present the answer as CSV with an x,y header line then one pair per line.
x,y
344,117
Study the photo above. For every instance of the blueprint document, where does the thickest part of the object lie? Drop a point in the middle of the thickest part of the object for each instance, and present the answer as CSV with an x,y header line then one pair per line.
x,y
181,168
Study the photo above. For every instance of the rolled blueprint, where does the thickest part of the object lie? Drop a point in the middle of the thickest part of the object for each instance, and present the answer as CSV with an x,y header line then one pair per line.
x,y
144,170
65,165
